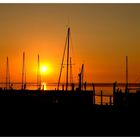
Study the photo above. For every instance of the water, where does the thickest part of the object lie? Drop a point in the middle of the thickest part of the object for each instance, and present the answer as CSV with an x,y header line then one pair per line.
x,y
44,86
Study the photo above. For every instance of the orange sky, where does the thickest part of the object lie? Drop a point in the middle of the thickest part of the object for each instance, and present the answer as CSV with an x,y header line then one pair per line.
x,y
102,36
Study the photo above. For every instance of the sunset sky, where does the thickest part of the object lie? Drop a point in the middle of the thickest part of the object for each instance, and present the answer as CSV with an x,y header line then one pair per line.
x,y
102,36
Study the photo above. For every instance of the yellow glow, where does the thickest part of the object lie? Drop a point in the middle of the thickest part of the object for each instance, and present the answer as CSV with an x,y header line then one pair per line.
x,y
44,69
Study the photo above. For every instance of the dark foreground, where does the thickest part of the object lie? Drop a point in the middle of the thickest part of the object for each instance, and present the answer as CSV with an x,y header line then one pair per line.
x,y
33,116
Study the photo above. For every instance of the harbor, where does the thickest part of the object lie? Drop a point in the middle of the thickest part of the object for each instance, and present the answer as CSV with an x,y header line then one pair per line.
x,y
69,69
118,97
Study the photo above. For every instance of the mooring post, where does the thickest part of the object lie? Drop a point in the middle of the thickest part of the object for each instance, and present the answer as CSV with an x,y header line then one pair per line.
x,y
126,94
114,87
114,92
126,87
93,93
110,100
79,75
62,87
72,86
101,97
85,85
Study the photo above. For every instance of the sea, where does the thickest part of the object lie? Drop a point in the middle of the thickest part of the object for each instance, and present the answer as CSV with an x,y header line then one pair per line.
x,y
107,92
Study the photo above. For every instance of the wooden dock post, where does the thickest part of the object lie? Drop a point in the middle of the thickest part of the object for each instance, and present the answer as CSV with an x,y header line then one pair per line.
x,y
110,100
85,85
72,86
63,87
101,97
114,92
93,93
126,87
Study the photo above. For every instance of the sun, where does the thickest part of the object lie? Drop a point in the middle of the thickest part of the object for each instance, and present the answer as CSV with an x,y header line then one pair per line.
x,y
44,69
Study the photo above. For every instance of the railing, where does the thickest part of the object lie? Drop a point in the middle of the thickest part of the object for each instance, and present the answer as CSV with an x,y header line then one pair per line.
x,y
102,96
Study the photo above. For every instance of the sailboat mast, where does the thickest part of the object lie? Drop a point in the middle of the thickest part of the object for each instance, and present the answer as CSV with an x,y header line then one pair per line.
x,y
126,74
67,72
7,73
126,69
23,71
71,76
62,63
38,74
